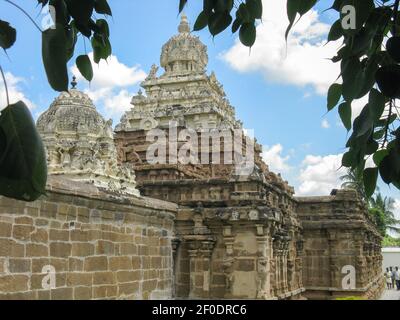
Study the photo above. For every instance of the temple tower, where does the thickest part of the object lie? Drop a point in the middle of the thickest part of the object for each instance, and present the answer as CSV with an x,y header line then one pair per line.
x,y
80,144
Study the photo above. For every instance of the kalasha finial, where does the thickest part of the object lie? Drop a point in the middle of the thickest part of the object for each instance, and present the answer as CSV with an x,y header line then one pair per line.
x,y
74,83
184,26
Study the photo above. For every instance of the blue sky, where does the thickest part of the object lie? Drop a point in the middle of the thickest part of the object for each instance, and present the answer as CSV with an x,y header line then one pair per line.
x,y
277,92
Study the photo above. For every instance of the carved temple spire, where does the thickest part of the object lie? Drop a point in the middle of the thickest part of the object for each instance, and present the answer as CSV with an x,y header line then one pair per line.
x,y
184,26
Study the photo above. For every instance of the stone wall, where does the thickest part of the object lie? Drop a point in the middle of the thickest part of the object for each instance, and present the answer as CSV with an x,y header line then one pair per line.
x,y
338,232
102,246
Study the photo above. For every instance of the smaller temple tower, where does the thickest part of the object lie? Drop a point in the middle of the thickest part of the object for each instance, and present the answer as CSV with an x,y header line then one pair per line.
x,y
80,144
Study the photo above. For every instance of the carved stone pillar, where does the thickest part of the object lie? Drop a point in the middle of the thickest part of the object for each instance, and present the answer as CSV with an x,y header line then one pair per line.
x,y
175,242
334,268
275,267
228,264
263,263
200,251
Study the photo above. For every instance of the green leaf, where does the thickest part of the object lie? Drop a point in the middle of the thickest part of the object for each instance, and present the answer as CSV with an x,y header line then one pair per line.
x,y
377,103
351,73
255,8
182,4
102,7
337,5
218,22
80,10
103,27
23,170
243,13
54,55
201,22
345,115
379,156
389,168
236,25
72,38
248,34
305,5
336,31
85,67
101,48
8,35
62,15
348,159
295,7
223,5
370,179
334,94
363,124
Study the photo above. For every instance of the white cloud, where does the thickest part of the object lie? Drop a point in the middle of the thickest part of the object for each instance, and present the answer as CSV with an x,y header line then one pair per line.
x,y
325,124
319,175
14,91
111,83
119,103
274,159
304,61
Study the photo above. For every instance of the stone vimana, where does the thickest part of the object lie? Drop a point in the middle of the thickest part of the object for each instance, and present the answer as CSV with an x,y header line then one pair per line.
x,y
115,225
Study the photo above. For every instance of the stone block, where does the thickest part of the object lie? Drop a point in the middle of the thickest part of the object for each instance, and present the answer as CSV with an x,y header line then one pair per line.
x,y
82,293
102,278
40,236
75,264
5,229
62,294
136,263
22,232
14,283
24,220
19,265
99,263
128,276
105,247
120,263
127,289
76,279
60,249
36,250
59,235
102,292
82,249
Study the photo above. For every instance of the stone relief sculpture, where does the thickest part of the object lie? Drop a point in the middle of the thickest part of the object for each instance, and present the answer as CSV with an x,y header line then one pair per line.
x,y
153,73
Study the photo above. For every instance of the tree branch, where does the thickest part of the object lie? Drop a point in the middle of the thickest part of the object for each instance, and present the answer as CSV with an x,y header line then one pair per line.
x,y
26,13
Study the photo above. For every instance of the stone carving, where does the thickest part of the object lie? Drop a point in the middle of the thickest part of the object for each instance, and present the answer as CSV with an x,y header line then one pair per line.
x,y
153,73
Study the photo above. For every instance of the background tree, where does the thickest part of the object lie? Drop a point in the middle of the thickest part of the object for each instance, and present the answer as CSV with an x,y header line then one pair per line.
x,y
389,241
380,208
368,67
383,207
354,180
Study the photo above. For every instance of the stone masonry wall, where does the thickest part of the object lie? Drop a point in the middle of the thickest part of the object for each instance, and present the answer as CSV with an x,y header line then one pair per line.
x,y
101,246
339,238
